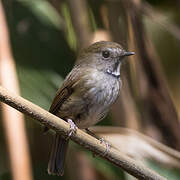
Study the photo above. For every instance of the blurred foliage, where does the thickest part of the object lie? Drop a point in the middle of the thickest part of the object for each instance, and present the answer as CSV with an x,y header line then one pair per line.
x,y
158,34
43,44
168,173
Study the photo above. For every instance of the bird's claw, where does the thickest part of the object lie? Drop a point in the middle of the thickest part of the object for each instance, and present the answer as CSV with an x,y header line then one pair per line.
x,y
73,127
107,146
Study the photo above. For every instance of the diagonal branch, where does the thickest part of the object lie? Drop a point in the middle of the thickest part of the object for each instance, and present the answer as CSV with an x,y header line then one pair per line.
x,y
82,138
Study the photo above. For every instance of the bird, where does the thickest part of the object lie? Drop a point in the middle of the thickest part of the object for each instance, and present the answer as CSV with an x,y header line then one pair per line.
x,y
87,94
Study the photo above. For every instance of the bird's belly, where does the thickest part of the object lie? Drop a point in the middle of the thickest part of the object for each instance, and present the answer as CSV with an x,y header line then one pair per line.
x,y
98,99
89,105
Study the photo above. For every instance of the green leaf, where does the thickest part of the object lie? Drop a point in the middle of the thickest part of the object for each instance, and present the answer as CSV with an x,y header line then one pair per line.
x,y
45,12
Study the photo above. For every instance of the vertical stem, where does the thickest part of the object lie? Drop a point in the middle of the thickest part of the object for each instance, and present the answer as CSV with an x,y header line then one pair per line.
x,y
157,106
13,121
125,108
80,21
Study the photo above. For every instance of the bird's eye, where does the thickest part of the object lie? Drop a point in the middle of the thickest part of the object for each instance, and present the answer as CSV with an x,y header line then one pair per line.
x,y
105,54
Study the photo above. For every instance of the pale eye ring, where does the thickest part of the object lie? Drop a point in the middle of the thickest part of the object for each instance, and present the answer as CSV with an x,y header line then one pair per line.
x,y
105,54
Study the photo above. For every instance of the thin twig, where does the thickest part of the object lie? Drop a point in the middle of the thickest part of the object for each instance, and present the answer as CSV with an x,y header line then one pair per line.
x,y
82,138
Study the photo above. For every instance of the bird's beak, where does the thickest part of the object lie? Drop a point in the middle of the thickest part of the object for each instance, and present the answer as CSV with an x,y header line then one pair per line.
x,y
128,53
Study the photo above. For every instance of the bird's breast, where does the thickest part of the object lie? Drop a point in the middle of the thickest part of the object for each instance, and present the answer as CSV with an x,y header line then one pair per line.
x,y
92,96
99,92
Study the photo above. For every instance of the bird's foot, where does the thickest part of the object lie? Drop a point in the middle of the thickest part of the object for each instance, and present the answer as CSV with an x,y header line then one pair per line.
x,y
101,141
72,129
107,146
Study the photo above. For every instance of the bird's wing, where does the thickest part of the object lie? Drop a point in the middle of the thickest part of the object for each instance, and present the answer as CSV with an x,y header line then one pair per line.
x,y
62,94
65,91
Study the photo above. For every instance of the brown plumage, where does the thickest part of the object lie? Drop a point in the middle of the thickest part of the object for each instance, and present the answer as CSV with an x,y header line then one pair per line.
x,y
87,93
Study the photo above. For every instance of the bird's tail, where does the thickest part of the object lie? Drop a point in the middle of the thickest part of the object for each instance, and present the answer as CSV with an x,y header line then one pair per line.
x,y
58,155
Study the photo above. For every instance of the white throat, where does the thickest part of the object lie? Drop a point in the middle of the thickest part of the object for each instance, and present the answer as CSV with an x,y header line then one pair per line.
x,y
115,71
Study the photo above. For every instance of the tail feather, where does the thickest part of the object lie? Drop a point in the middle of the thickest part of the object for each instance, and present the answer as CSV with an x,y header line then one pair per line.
x,y
58,155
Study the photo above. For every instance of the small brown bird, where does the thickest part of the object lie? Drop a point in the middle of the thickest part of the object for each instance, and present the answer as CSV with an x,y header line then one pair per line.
x,y
87,94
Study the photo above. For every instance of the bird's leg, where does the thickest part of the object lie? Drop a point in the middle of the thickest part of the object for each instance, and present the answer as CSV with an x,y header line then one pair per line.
x,y
101,141
73,127
92,134
107,146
